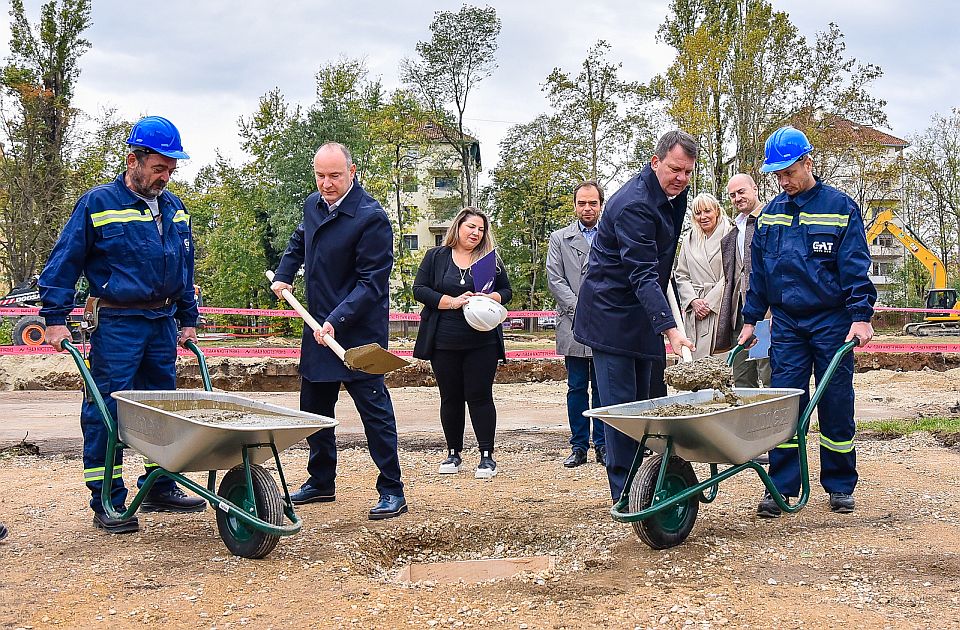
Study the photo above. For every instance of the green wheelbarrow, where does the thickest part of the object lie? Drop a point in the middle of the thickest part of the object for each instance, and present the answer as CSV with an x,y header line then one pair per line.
x,y
662,494
190,431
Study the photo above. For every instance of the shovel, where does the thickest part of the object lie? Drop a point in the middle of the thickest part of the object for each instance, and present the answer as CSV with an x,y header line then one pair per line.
x,y
369,358
678,317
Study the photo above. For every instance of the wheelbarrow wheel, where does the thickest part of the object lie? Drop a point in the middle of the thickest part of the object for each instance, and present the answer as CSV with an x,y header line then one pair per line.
x,y
671,526
241,539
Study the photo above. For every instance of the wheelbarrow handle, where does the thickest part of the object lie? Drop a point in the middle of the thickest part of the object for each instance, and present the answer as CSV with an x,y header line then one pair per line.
x,y
740,346
202,360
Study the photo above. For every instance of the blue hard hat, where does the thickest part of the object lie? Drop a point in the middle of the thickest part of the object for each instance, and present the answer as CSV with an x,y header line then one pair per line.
x,y
159,135
785,146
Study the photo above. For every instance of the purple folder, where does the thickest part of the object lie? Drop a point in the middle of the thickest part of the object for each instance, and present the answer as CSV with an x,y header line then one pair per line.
x,y
484,271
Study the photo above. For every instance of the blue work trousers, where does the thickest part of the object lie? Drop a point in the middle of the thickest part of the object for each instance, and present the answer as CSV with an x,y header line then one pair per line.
x,y
623,379
126,352
581,381
801,345
373,403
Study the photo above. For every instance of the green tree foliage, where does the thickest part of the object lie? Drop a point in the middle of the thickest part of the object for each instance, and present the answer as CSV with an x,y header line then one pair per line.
x,y
532,196
283,139
398,149
230,257
460,54
742,70
603,114
36,88
99,153
933,179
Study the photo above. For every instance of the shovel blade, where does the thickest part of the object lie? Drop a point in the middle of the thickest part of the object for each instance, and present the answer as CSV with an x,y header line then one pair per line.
x,y
373,359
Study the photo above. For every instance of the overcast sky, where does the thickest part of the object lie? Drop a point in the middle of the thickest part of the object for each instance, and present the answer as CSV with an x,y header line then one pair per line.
x,y
205,63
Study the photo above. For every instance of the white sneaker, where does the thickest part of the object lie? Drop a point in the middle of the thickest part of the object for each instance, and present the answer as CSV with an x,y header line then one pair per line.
x,y
487,468
451,465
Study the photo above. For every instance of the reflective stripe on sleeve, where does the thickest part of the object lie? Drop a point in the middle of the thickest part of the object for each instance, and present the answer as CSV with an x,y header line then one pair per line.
x,y
181,217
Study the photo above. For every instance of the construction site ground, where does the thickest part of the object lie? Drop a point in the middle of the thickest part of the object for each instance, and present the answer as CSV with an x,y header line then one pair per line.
x,y
895,562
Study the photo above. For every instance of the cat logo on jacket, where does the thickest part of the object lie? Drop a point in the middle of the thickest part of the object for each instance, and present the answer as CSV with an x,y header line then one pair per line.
x,y
822,248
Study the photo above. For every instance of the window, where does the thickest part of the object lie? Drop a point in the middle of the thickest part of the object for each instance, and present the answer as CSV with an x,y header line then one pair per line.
x,y
410,184
438,239
446,182
411,242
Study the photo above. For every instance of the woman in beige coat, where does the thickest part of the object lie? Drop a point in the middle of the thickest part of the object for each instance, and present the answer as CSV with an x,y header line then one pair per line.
x,y
699,274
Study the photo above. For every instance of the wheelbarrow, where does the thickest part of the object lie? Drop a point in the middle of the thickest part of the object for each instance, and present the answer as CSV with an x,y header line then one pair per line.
x,y
662,494
189,431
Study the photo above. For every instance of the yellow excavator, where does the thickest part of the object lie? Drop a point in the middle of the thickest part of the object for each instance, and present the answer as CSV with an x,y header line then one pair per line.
x,y
938,296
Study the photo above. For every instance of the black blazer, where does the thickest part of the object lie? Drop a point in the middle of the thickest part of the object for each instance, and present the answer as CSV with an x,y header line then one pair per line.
x,y
428,278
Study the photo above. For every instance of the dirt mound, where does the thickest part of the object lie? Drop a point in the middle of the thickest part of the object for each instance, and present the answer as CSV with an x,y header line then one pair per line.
x,y
263,374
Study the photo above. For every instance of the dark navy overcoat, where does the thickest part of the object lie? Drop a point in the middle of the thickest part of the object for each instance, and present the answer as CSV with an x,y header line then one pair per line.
x,y
622,308
347,257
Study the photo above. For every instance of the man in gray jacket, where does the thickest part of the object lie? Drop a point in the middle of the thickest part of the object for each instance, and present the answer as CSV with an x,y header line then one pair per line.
x,y
567,260
735,250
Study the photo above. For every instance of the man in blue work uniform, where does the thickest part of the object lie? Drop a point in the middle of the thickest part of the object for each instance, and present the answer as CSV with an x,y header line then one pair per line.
x,y
622,310
131,238
810,265
345,245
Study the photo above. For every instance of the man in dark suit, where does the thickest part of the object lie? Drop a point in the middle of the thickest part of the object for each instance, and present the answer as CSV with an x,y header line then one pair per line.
x,y
622,310
345,244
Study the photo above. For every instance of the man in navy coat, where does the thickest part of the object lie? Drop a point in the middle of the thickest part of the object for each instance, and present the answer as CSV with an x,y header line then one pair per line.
x,y
345,244
622,310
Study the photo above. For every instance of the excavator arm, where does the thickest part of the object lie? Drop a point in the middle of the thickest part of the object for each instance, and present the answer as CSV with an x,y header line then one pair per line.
x,y
889,222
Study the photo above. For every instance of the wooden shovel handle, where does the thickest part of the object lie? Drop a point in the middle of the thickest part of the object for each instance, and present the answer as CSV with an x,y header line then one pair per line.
x,y
678,317
310,320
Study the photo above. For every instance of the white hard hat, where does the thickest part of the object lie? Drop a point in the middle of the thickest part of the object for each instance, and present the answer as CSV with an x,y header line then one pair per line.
x,y
483,313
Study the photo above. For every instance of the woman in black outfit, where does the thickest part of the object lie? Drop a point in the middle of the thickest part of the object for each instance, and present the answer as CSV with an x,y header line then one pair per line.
x,y
464,360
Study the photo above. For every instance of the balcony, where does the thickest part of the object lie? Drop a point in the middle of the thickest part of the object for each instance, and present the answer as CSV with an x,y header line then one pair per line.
x,y
879,251
882,281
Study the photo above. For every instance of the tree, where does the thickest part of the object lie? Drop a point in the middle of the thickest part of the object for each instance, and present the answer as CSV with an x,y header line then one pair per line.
x,y
283,139
35,125
459,55
934,183
603,113
532,196
230,256
399,147
742,70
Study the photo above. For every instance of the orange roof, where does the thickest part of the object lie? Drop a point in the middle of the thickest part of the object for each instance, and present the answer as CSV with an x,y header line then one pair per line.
x,y
849,132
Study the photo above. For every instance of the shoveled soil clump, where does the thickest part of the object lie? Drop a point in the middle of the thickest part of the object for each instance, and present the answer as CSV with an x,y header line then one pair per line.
x,y
706,373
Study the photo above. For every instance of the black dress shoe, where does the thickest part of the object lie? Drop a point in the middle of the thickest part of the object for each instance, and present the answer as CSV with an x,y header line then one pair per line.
x,y
174,500
577,458
601,454
841,502
116,525
309,494
389,506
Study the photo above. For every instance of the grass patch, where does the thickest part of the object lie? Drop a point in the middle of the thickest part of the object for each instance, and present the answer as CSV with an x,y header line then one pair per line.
x,y
946,430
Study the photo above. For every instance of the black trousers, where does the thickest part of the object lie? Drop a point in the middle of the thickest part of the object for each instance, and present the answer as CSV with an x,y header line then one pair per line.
x,y
465,377
379,425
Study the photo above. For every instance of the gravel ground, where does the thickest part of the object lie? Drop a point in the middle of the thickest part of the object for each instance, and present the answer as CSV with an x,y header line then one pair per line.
x,y
894,563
